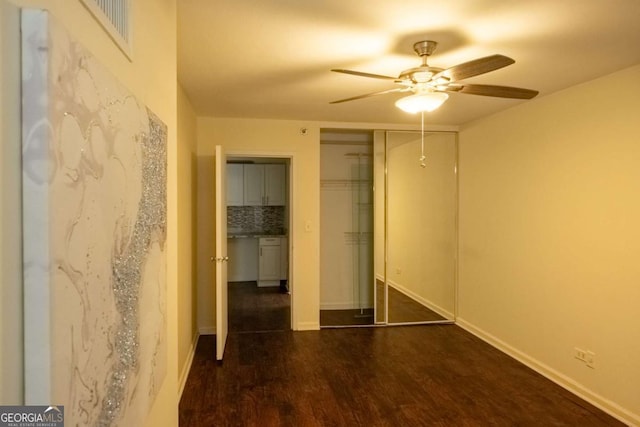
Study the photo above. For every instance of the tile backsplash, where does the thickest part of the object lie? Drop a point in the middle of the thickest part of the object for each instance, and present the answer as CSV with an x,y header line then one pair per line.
x,y
256,219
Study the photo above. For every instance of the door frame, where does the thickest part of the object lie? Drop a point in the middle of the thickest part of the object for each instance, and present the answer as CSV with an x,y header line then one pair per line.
x,y
235,154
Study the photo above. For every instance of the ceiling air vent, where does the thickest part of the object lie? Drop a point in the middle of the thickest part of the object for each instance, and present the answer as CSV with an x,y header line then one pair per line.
x,y
114,16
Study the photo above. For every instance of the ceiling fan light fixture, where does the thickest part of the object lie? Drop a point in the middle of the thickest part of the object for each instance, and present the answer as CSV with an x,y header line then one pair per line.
x,y
427,101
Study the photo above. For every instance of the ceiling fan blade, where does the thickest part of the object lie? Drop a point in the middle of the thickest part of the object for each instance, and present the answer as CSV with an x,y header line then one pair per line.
x,y
370,94
361,74
497,91
475,67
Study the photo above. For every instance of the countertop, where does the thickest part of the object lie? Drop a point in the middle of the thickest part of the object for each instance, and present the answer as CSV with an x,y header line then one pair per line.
x,y
252,235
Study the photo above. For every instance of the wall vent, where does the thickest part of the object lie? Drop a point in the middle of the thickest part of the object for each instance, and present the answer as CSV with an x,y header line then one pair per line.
x,y
114,16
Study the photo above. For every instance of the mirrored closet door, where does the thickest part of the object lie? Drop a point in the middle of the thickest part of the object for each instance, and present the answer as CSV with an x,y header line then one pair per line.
x,y
421,224
388,228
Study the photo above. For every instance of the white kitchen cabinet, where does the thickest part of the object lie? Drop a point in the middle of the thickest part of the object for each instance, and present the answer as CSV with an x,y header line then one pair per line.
x,y
269,262
275,185
253,185
243,259
263,259
235,184
264,185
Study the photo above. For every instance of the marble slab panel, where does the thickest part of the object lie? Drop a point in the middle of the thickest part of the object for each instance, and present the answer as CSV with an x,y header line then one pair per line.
x,y
94,214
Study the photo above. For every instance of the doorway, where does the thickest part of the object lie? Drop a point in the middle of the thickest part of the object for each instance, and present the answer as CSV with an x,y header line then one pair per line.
x,y
258,243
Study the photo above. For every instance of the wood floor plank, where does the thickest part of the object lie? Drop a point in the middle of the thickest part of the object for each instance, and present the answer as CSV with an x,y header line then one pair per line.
x,y
436,375
252,308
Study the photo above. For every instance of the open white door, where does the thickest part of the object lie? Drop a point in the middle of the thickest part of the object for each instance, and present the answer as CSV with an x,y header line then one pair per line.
x,y
221,257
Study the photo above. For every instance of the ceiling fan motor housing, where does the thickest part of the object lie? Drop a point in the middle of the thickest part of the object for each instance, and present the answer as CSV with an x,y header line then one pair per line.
x,y
424,72
425,47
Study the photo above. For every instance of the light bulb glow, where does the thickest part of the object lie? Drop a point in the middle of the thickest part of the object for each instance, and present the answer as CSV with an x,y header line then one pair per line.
x,y
427,101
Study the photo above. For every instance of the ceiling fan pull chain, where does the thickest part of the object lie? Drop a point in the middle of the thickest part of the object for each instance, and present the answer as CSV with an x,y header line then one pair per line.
x,y
422,157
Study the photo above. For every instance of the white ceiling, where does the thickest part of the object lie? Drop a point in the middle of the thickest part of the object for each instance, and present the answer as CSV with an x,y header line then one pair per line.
x,y
271,58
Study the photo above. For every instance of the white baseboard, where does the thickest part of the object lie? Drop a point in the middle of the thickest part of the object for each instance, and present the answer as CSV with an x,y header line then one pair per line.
x,y
184,374
429,304
341,306
336,305
268,283
562,380
207,330
307,326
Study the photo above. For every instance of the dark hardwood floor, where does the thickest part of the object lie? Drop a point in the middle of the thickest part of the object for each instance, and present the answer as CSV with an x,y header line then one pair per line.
x,y
435,375
254,309
402,309
353,317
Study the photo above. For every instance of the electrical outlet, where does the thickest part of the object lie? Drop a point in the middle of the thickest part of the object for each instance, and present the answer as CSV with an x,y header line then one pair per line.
x,y
587,357
590,359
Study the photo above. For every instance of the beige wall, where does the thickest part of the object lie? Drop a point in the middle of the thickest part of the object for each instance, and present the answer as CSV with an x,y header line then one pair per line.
x,y
150,76
550,235
280,139
187,321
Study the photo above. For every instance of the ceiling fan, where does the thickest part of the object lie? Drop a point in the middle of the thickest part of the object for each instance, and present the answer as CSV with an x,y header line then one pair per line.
x,y
435,82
